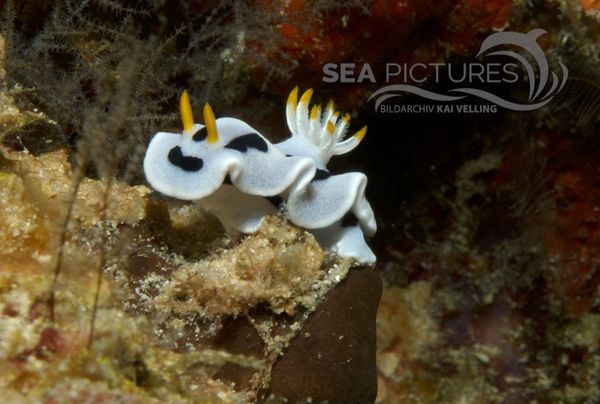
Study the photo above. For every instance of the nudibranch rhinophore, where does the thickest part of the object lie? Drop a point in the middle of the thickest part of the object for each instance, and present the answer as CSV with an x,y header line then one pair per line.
x,y
237,174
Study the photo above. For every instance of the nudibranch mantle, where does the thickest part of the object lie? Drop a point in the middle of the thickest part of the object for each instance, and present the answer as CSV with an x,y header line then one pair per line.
x,y
236,173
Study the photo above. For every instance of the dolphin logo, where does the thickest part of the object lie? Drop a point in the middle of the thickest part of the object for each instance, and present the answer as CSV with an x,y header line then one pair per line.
x,y
547,79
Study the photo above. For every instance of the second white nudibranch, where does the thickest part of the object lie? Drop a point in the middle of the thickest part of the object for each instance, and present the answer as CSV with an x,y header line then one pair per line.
x,y
233,171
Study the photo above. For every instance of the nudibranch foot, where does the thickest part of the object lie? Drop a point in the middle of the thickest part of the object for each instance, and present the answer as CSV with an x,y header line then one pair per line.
x,y
237,210
346,239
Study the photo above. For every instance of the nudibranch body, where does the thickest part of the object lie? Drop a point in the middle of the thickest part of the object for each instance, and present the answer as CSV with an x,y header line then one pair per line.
x,y
233,171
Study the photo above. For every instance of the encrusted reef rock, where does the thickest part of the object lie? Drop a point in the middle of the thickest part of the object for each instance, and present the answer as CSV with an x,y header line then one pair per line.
x,y
331,358
185,314
270,299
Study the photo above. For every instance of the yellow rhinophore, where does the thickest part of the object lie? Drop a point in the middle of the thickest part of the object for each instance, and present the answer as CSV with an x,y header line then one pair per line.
x,y
211,124
185,108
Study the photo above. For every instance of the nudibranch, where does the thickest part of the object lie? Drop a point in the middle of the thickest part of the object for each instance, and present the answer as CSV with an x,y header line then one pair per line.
x,y
237,174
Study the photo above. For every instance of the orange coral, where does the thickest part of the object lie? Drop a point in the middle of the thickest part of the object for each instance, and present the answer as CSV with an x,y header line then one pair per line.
x,y
590,5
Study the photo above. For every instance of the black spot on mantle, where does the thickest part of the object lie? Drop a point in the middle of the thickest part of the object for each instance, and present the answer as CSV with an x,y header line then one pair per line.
x,y
249,141
201,135
186,163
349,220
321,175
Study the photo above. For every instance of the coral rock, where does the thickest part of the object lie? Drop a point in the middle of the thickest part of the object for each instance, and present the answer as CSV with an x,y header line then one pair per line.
x,y
333,356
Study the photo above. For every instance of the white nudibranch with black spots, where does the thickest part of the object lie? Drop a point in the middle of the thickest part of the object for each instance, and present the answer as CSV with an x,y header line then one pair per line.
x,y
234,172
